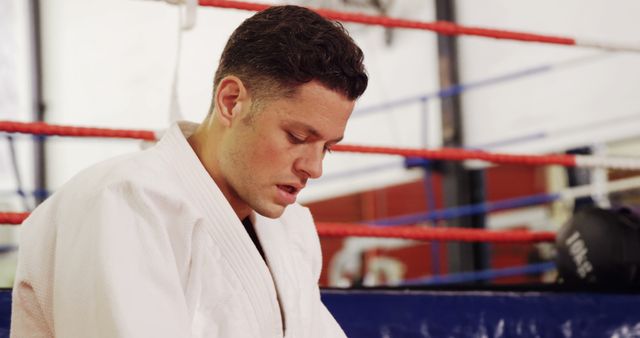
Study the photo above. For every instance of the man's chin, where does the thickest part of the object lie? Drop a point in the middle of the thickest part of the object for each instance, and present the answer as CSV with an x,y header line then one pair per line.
x,y
271,211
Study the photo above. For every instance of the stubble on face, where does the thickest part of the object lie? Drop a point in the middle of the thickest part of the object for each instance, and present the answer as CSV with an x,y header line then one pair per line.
x,y
251,162
254,110
260,156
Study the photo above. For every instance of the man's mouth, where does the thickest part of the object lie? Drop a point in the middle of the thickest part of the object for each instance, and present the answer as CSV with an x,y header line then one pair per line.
x,y
288,193
288,188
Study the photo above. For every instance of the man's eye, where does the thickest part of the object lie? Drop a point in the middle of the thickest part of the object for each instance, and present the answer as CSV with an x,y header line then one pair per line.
x,y
294,139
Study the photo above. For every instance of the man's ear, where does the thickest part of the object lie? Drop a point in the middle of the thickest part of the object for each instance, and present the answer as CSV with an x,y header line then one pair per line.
x,y
231,97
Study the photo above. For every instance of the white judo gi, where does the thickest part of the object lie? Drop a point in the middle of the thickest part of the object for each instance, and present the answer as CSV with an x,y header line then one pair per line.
x,y
146,245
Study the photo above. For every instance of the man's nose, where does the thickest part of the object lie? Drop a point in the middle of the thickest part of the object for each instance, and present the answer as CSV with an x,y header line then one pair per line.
x,y
310,164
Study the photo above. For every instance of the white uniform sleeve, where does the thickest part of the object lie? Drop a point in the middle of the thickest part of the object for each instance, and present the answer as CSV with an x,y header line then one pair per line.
x,y
115,274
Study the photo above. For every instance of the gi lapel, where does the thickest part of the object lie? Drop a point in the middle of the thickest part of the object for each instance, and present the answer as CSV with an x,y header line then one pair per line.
x,y
226,231
284,264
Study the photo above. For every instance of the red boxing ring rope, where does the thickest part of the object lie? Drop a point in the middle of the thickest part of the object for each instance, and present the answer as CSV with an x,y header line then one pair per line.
x,y
40,128
13,218
462,154
405,232
440,27
433,234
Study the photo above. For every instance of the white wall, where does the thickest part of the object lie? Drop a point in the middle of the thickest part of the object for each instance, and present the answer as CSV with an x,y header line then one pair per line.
x,y
110,63
591,102
15,104
15,95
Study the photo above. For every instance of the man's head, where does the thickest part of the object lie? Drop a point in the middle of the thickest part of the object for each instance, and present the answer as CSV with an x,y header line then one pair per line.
x,y
285,88
281,48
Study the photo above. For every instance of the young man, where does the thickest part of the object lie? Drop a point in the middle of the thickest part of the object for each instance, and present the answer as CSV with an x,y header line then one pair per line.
x,y
200,236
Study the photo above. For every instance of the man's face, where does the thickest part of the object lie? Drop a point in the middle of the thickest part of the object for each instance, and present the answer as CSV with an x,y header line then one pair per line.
x,y
268,154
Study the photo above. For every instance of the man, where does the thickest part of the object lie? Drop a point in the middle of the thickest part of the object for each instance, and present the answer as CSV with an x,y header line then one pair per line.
x,y
200,235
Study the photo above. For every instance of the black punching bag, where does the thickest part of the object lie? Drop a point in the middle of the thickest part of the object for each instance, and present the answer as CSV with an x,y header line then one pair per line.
x,y
599,247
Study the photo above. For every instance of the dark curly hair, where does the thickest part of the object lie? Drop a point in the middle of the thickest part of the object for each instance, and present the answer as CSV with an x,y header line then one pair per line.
x,y
278,49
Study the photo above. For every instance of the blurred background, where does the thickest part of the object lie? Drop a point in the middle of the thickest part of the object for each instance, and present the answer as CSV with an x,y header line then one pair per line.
x,y
127,64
